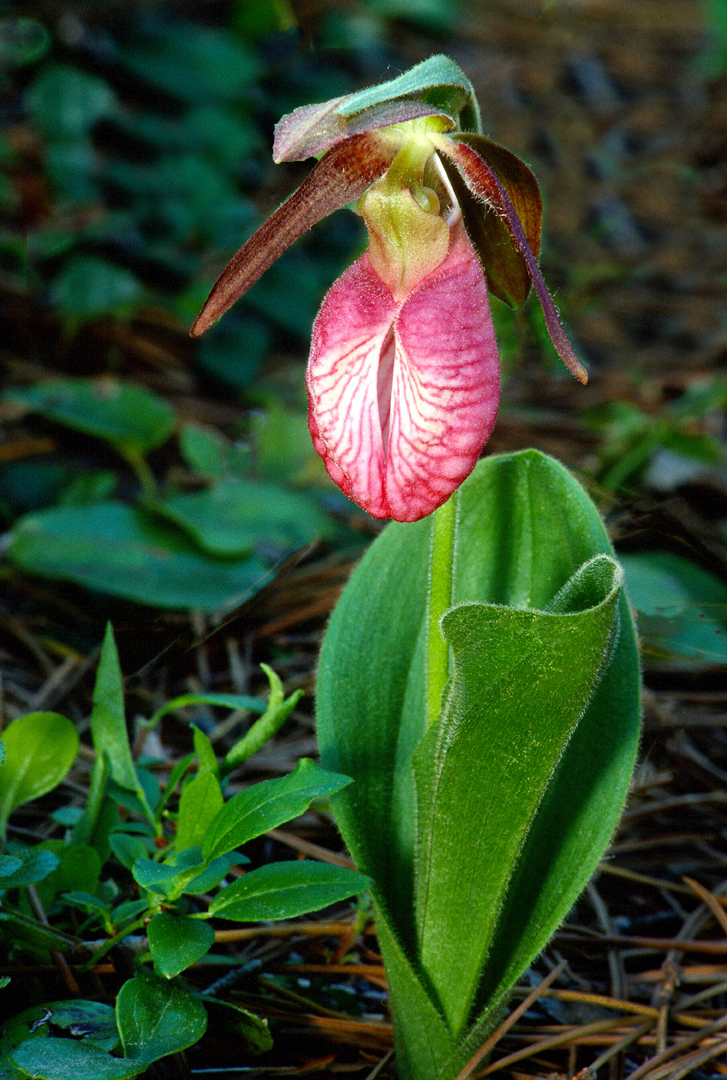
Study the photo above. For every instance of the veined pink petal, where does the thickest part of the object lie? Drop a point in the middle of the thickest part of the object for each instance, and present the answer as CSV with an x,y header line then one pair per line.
x,y
349,335
403,396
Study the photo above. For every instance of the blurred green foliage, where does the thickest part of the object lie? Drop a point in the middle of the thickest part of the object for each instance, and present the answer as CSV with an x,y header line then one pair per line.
x,y
205,546
144,133
714,60
164,844
631,437
681,610
139,137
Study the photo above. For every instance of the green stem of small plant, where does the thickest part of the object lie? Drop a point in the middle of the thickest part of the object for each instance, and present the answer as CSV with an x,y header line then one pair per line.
x,y
107,946
143,473
441,581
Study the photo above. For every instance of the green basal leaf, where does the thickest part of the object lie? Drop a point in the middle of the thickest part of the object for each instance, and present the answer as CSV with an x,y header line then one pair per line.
x,y
175,942
156,1018
268,804
480,834
124,414
423,1039
481,772
285,890
40,749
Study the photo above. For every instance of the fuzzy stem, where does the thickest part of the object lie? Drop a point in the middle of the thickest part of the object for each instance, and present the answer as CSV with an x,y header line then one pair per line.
x,y
441,581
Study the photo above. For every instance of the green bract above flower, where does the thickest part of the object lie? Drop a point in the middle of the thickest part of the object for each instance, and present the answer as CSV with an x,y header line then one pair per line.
x,y
403,377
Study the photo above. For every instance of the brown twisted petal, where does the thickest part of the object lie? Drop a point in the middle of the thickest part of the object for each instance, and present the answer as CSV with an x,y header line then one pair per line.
x,y
341,176
485,186
506,269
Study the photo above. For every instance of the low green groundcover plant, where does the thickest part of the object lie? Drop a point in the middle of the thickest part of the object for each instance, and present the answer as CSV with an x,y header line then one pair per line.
x,y
173,850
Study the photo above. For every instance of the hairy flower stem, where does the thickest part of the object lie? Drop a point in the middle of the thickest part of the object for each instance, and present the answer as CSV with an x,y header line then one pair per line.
x,y
441,581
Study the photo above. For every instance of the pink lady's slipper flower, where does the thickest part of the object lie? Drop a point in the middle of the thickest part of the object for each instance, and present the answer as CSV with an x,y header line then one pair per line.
x,y
403,374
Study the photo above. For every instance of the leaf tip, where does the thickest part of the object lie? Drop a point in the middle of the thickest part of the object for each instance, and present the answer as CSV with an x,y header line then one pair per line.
x,y
200,324
580,373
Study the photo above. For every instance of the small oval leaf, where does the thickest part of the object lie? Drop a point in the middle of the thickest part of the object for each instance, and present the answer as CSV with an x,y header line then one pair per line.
x,y
176,942
156,1018
67,1059
40,749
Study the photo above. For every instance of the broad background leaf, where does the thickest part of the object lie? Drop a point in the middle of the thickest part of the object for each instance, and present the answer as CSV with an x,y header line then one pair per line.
x,y
233,517
681,609
119,549
124,414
